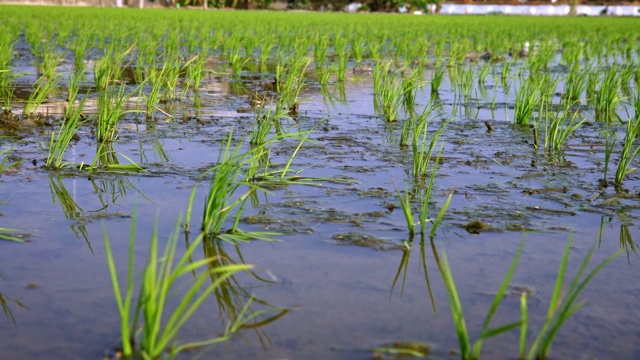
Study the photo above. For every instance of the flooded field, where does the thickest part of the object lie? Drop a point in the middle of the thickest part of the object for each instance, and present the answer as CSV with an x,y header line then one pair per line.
x,y
309,146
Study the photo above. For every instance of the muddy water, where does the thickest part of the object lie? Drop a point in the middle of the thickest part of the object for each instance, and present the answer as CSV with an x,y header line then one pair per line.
x,y
344,263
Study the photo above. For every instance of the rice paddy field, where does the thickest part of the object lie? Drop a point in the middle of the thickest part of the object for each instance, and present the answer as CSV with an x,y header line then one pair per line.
x,y
259,185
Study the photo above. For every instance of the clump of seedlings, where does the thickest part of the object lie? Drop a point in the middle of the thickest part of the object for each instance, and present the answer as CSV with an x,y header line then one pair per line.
x,y
388,92
557,126
629,153
562,305
149,325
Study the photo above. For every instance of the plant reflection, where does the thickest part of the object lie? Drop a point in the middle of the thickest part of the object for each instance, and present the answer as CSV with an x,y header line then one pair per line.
x,y
422,268
626,241
109,192
160,155
71,209
235,301
6,302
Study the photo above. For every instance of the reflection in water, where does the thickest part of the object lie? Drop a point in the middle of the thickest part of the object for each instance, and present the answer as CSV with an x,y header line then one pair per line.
x,y
107,159
404,265
108,191
160,155
626,241
71,209
236,302
111,190
329,97
6,302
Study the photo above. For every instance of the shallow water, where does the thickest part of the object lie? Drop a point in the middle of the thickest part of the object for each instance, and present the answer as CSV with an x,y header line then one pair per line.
x,y
345,298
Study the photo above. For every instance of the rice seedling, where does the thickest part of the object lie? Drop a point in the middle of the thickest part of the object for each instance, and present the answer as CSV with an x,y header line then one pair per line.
x,y
592,83
152,97
483,73
259,169
107,159
109,67
505,75
324,75
236,62
459,50
159,324
469,351
528,100
575,84
628,153
375,48
561,306
439,50
358,47
547,85
73,89
407,132
422,149
80,45
266,47
197,70
111,108
571,53
410,85
388,92
563,303
10,234
4,165
170,77
436,79
438,219
464,78
424,194
44,88
45,85
556,127
425,197
7,42
380,71
301,46
263,122
289,81
343,61
60,141
610,142
607,96
626,78
390,99
7,90
405,203
221,198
